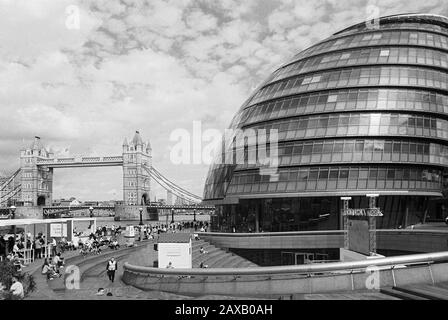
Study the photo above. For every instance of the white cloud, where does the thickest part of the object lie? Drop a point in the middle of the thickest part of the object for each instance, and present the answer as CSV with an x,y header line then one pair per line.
x,y
151,65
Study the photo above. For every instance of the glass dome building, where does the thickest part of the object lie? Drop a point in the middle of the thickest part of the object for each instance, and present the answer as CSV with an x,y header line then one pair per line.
x,y
363,111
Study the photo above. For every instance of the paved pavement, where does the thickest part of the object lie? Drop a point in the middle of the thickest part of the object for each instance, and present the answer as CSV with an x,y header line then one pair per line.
x,y
93,270
436,226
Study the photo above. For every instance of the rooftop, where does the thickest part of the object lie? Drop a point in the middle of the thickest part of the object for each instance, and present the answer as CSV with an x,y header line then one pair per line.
x,y
174,238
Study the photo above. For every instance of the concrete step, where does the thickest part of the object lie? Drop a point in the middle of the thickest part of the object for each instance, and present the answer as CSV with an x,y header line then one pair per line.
x,y
223,260
198,256
84,263
208,258
99,269
400,295
204,245
208,248
425,291
198,243
215,261
231,262
351,295
245,264
216,257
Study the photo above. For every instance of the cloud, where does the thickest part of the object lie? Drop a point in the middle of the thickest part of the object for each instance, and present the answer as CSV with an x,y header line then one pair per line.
x,y
152,65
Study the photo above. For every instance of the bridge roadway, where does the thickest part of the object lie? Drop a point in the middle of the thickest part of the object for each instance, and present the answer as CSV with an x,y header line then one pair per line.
x,y
151,206
76,162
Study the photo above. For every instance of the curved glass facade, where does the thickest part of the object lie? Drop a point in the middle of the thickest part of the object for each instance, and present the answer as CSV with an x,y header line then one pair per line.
x,y
364,111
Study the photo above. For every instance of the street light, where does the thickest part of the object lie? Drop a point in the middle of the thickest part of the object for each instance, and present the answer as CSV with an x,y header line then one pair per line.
x,y
13,216
91,216
13,211
172,215
141,216
194,215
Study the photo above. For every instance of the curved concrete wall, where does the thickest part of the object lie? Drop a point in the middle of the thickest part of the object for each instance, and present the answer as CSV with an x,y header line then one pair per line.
x,y
284,280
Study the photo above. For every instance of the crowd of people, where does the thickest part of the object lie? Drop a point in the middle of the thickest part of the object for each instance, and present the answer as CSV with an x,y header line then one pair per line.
x,y
150,231
52,250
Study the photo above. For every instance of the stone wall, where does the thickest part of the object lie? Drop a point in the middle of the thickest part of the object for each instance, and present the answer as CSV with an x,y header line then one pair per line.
x,y
29,213
132,213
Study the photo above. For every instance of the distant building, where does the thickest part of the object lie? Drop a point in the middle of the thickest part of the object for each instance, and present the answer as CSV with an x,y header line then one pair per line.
x,y
169,197
92,203
75,203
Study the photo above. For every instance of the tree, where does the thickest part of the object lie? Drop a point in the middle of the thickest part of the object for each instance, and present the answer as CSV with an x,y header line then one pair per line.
x,y
7,271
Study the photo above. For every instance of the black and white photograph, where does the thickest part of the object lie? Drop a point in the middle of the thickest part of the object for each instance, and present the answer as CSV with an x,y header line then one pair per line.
x,y
226,157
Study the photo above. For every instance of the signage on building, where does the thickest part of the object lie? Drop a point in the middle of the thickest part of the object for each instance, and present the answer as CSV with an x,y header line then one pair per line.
x,y
369,212
58,230
5,213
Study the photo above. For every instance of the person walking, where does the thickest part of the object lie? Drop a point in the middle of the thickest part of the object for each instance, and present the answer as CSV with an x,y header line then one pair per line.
x,y
111,267
54,244
37,248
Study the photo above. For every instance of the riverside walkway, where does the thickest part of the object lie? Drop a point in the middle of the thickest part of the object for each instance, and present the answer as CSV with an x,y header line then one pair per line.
x,y
93,276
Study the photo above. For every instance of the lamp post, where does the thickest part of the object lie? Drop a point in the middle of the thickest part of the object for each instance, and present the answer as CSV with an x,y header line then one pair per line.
x,y
194,215
172,215
141,216
372,222
12,209
345,207
91,216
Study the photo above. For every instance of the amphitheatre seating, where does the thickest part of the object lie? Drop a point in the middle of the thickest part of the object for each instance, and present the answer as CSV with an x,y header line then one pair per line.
x,y
425,291
91,265
400,294
217,257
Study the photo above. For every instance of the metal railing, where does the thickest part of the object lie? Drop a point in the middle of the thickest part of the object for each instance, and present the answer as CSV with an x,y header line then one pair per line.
x,y
392,262
272,234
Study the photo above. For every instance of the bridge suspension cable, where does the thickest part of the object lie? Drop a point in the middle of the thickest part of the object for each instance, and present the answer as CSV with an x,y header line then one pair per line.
x,y
189,200
4,198
173,185
7,181
170,186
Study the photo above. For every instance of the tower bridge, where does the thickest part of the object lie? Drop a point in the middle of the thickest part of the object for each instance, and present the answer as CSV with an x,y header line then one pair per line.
x,y
32,184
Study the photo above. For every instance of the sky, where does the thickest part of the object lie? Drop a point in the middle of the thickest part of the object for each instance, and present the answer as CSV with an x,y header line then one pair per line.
x,y
83,75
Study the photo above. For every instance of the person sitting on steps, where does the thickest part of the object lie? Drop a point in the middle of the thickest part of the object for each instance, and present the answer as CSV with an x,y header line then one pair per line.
x,y
48,271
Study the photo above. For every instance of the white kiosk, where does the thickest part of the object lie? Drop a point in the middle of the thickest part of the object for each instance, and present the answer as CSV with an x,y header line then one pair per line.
x,y
175,248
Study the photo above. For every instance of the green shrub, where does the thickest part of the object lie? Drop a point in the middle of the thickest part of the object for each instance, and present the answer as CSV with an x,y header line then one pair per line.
x,y
7,271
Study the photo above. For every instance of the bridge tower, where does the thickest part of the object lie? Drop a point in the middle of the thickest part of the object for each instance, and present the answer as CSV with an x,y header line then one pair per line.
x,y
136,179
36,181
